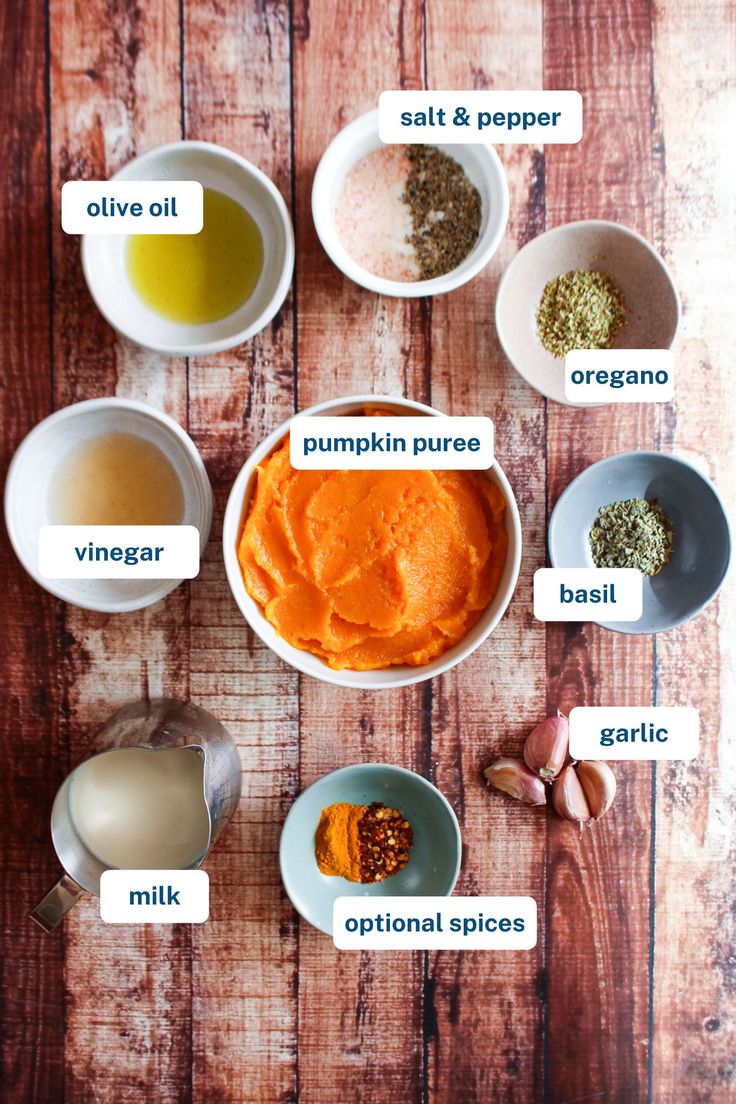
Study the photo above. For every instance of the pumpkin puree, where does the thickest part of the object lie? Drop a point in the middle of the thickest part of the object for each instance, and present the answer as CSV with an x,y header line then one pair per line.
x,y
368,569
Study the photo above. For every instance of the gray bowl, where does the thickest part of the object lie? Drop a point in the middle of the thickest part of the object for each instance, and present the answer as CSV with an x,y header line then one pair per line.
x,y
701,545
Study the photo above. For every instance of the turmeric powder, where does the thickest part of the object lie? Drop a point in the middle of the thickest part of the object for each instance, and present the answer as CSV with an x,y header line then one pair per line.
x,y
363,843
338,850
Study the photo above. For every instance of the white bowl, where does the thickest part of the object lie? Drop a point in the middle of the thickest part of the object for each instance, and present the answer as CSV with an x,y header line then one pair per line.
x,y
650,295
359,138
103,255
235,515
36,462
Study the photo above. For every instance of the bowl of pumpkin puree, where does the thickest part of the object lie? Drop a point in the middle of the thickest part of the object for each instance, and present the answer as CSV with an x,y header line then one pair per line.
x,y
370,579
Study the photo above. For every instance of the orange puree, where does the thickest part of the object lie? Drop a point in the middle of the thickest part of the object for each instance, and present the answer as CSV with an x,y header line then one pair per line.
x,y
369,569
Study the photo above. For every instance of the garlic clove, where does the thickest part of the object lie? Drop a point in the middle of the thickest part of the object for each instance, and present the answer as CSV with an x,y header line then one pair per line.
x,y
545,749
513,777
569,798
599,786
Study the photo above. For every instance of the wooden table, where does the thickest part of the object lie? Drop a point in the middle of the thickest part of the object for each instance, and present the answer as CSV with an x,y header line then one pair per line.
x,y
630,994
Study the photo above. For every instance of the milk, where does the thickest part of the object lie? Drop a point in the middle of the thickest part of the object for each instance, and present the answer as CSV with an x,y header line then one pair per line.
x,y
138,808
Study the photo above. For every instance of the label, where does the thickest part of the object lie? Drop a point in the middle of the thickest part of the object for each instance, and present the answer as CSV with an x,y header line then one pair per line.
x,y
434,923
619,375
393,443
588,594
132,207
118,551
481,117
652,732
154,896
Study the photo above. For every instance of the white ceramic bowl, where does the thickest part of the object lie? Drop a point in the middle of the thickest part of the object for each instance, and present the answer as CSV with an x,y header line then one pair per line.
x,y
650,295
103,255
482,167
36,462
235,515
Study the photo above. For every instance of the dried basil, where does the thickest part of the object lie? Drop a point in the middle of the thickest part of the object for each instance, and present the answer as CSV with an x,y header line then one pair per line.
x,y
633,533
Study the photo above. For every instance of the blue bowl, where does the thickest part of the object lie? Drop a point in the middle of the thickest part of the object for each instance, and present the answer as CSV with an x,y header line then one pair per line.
x,y
701,541
434,860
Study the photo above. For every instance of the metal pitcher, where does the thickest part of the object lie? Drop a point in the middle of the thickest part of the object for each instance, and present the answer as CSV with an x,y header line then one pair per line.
x,y
157,724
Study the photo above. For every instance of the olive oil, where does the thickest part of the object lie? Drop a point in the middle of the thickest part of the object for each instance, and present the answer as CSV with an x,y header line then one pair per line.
x,y
116,479
198,278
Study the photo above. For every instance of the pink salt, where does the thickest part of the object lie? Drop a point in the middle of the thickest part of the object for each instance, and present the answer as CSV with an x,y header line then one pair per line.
x,y
372,220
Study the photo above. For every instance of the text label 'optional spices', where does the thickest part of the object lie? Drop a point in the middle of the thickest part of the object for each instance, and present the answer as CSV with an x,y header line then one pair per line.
x,y
391,443
473,116
435,923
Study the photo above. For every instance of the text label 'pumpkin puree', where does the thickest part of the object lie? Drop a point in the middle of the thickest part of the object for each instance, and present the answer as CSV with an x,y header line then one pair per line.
x,y
368,569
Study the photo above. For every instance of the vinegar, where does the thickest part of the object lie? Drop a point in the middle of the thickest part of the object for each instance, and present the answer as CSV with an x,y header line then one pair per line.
x,y
116,479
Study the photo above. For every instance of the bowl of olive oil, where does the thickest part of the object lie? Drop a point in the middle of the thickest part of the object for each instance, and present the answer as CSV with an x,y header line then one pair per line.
x,y
195,294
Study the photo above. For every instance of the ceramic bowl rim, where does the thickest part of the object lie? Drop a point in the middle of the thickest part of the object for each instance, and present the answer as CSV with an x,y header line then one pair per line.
x,y
324,221
507,275
370,768
205,348
668,458
160,588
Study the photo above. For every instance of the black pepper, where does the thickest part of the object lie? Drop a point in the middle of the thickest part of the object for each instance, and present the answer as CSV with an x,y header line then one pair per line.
x,y
445,211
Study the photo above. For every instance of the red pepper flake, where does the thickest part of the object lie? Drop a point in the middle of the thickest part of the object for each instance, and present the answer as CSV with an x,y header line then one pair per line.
x,y
385,840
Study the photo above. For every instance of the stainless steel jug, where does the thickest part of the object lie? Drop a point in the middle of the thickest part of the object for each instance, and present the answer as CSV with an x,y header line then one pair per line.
x,y
157,724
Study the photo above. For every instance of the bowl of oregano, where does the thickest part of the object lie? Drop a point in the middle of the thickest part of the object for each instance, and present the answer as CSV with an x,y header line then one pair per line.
x,y
585,285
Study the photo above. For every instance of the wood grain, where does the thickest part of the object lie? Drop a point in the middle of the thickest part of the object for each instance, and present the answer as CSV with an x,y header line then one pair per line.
x,y
115,93
486,1028
694,984
32,747
628,997
237,93
352,342
598,923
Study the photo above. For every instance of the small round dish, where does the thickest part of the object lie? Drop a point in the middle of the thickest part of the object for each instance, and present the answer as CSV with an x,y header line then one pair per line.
x,y
354,142
37,460
650,296
434,861
701,545
236,513
105,270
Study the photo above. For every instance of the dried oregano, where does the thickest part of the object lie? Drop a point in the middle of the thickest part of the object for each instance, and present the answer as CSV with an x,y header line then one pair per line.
x,y
580,310
445,210
633,533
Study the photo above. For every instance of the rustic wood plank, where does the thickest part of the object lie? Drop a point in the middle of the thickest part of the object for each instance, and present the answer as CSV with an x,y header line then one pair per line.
x,y
33,751
694,990
486,1039
114,93
237,93
598,921
351,341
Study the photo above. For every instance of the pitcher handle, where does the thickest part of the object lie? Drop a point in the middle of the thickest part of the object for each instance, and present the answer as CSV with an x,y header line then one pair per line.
x,y
55,905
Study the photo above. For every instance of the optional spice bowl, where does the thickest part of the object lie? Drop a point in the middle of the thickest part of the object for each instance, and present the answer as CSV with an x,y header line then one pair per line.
x,y
316,868
675,526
